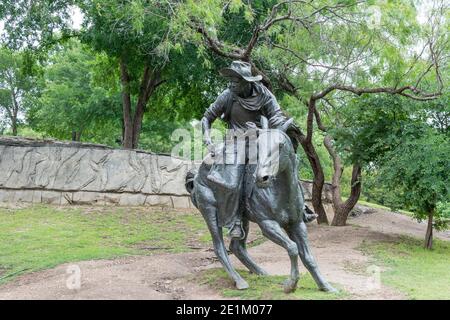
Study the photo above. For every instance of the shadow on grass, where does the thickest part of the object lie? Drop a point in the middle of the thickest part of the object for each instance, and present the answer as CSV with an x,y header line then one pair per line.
x,y
266,287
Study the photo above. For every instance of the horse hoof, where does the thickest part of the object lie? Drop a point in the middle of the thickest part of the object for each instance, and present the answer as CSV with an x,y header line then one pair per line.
x,y
329,288
289,286
242,285
261,272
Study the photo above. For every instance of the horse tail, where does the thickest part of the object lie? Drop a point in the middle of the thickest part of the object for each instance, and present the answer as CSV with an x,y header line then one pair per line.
x,y
308,215
189,184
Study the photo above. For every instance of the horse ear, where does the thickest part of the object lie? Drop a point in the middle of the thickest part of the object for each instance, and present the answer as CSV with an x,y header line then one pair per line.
x,y
264,123
286,125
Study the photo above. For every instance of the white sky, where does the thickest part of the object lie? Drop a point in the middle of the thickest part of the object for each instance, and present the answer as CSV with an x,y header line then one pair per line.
x,y
77,17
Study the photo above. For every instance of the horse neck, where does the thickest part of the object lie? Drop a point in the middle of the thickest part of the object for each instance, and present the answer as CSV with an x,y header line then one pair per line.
x,y
287,177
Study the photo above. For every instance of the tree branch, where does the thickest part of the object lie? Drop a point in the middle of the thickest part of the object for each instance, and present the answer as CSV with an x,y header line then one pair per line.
x,y
217,46
417,93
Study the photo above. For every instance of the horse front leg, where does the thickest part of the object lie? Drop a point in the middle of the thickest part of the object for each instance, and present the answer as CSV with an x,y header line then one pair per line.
x,y
238,247
272,230
209,214
300,235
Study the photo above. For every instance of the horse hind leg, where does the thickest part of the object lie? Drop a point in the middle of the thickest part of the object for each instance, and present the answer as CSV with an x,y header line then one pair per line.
x,y
209,215
272,230
300,235
238,247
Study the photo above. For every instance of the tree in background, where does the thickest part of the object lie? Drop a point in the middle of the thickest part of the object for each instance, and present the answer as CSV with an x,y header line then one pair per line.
x,y
130,33
71,105
16,83
3,124
322,52
418,172
367,128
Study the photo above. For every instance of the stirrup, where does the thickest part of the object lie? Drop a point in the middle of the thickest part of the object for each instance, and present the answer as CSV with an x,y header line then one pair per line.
x,y
237,232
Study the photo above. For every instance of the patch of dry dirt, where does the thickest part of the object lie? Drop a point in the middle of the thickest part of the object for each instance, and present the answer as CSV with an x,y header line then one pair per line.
x,y
173,276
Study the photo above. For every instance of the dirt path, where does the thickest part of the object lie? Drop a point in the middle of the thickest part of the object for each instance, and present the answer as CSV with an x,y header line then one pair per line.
x,y
173,276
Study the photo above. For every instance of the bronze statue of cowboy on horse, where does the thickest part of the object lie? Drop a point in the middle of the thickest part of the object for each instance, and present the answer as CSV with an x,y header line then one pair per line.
x,y
252,176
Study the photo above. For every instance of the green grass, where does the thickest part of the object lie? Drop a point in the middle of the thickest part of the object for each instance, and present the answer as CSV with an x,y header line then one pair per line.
x,y
266,287
379,206
415,271
41,237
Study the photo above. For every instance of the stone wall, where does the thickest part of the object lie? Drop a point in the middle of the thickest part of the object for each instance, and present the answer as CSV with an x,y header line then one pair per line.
x,y
49,171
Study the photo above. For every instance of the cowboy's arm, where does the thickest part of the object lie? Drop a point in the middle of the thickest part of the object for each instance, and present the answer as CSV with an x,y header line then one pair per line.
x,y
214,111
277,118
274,114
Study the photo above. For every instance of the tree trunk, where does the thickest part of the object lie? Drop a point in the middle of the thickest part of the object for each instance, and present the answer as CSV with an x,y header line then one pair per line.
x,y
150,80
132,123
314,160
429,234
310,151
14,126
342,209
76,135
127,141
318,181
15,112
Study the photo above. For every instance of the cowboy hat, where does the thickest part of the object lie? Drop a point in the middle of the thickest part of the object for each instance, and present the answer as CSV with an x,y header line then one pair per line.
x,y
240,69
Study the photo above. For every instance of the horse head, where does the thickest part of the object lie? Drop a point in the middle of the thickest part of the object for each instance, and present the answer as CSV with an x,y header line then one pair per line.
x,y
274,153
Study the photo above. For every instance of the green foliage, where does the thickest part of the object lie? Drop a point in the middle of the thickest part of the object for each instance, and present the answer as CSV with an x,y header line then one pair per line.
x,y
371,127
42,237
330,43
374,124
419,273
17,84
417,170
35,24
131,30
70,102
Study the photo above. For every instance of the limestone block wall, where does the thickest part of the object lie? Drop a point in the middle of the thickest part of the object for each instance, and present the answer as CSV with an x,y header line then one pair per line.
x,y
55,172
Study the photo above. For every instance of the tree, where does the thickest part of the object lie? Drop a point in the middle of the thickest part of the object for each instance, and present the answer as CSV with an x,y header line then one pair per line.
x,y
369,126
16,82
130,32
71,105
133,35
418,171
3,123
323,51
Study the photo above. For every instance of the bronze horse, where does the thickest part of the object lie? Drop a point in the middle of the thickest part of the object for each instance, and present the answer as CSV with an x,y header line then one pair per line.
x,y
273,199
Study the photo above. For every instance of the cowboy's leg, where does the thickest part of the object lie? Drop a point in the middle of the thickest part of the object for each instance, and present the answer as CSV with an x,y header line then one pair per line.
x,y
237,230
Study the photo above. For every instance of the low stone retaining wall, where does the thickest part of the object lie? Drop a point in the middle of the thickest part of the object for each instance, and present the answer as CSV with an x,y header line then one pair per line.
x,y
64,173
